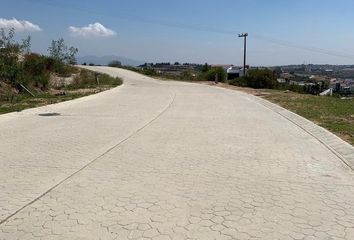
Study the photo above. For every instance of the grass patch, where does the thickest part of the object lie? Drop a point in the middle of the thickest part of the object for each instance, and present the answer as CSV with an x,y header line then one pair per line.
x,y
332,113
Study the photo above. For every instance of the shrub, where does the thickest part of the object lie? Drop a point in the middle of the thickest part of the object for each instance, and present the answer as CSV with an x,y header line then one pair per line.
x,y
212,72
261,78
105,79
62,53
187,76
10,72
206,68
34,64
241,82
115,64
257,78
149,72
89,79
10,50
51,64
35,71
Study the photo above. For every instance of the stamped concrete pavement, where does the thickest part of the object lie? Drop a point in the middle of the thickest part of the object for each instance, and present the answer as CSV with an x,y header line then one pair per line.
x,y
168,160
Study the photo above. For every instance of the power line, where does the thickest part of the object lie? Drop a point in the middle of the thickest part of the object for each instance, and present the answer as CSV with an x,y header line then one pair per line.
x,y
140,19
302,47
209,29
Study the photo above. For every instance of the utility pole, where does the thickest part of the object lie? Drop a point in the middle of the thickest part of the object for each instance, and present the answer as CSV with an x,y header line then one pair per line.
x,y
244,36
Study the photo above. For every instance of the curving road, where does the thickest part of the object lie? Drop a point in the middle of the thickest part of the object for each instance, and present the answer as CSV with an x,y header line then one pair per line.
x,y
168,160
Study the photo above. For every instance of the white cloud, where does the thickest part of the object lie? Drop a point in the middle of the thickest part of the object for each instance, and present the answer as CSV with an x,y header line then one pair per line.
x,y
92,30
19,25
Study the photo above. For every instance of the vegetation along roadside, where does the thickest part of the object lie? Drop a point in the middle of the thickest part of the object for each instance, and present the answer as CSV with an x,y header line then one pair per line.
x,y
30,80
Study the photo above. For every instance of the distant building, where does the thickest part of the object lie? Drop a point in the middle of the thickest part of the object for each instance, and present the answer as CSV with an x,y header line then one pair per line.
x,y
342,85
281,80
235,72
287,76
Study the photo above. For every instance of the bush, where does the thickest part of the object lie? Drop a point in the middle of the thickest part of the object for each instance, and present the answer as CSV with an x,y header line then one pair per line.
x,y
205,68
115,64
34,64
62,53
89,79
105,79
35,71
10,71
257,78
10,50
241,82
261,78
149,72
187,76
212,72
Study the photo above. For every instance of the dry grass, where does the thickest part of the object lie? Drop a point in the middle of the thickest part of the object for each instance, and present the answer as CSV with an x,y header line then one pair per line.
x,y
85,84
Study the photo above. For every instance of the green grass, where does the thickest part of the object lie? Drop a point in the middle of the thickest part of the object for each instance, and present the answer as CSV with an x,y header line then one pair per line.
x,y
332,113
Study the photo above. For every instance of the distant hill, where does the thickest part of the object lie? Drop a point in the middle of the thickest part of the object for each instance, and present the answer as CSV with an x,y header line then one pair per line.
x,y
104,60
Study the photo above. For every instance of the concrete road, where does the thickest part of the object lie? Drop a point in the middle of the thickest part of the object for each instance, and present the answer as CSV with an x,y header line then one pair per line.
x,y
169,160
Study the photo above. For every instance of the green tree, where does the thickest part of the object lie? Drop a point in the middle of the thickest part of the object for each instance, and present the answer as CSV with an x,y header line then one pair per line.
x,y
206,68
9,45
10,51
62,53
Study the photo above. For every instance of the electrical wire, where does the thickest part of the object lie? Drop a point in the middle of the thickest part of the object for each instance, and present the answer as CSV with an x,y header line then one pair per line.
x,y
171,24
302,47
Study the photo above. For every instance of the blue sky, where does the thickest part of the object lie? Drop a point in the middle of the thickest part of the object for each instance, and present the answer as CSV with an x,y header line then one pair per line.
x,y
281,31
